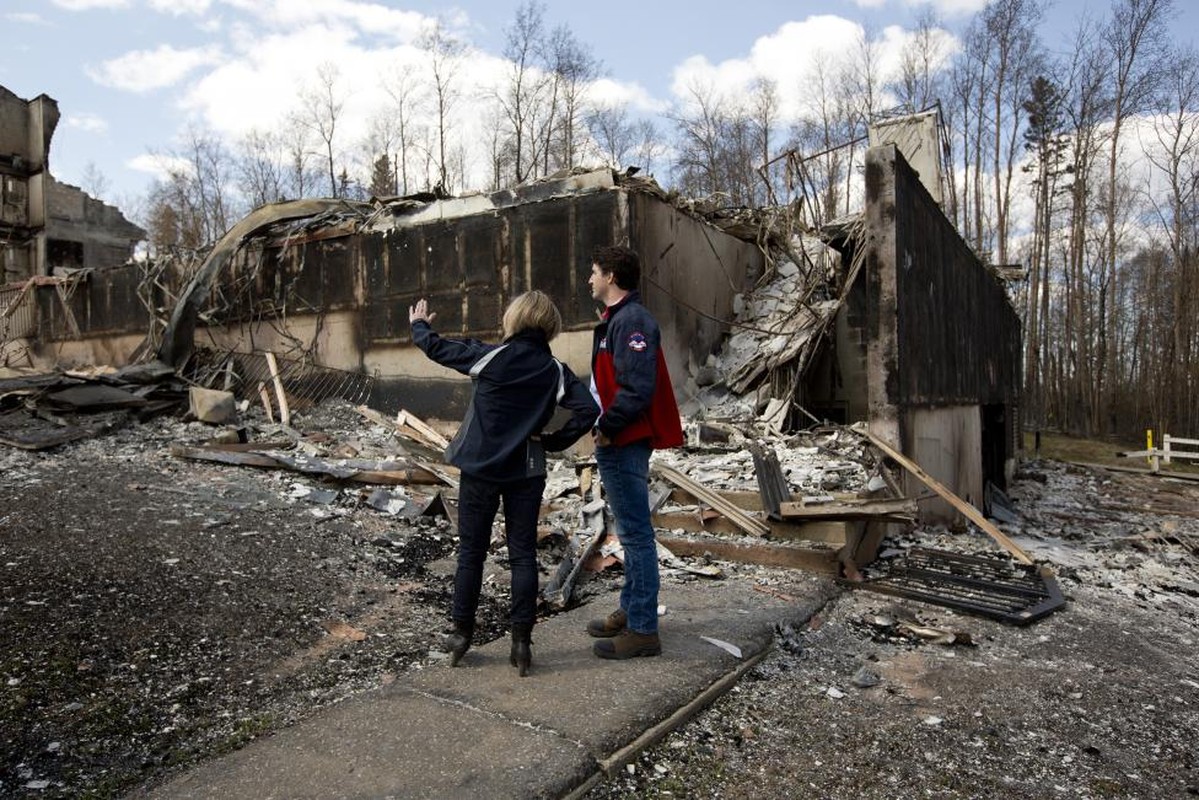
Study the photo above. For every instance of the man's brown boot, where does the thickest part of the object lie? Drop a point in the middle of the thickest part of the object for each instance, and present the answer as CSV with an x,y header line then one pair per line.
x,y
610,625
628,644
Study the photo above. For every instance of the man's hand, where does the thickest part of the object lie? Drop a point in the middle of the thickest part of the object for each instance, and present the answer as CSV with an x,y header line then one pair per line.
x,y
601,439
421,311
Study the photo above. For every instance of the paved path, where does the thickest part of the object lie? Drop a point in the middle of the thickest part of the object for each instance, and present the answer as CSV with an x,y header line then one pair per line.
x,y
479,730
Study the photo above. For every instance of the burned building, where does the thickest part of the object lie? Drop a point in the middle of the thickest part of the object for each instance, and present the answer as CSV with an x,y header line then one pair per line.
x,y
897,323
44,224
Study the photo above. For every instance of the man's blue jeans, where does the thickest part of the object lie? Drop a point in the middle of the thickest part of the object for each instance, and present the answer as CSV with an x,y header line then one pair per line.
x,y
478,501
624,471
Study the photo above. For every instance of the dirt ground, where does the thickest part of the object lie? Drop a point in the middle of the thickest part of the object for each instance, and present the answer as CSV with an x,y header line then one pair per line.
x,y
1098,700
156,612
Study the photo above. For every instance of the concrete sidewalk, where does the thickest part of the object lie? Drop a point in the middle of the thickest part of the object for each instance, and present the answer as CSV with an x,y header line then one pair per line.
x,y
479,730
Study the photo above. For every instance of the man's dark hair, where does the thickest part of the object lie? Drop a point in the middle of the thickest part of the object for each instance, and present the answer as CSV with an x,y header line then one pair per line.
x,y
622,263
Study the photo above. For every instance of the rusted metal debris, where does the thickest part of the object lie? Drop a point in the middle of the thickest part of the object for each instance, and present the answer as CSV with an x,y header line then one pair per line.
x,y
992,587
305,383
39,411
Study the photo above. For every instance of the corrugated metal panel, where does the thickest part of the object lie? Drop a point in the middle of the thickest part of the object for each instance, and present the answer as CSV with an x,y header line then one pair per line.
x,y
18,312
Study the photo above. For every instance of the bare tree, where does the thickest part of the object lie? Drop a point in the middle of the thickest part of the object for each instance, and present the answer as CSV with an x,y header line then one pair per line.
x,y
189,207
650,145
701,136
522,97
822,137
320,109
920,62
571,67
445,53
613,132
94,181
764,110
1046,141
1086,110
1174,155
499,144
403,86
300,174
1134,37
260,168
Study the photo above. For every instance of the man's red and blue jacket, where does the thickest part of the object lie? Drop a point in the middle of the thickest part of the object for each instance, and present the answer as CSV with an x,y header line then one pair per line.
x,y
630,379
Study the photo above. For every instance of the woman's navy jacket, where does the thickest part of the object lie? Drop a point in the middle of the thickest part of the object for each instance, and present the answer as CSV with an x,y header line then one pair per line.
x,y
517,386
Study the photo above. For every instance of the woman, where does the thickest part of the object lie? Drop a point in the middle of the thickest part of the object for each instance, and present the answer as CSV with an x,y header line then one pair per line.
x,y
500,449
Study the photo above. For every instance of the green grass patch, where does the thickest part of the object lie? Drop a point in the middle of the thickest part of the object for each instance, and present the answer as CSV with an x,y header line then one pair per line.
x,y
1063,447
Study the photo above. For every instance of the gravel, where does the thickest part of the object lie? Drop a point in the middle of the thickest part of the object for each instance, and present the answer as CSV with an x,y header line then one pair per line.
x,y
1098,700
157,612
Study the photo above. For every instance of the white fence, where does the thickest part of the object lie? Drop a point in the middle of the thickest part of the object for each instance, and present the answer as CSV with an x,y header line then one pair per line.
x,y
1167,452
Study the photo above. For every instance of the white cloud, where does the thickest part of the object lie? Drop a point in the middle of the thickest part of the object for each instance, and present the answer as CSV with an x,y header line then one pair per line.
x,y
796,57
26,17
161,167
950,8
90,123
179,8
367,18
258,84
87,5
607,92
789,56
143,70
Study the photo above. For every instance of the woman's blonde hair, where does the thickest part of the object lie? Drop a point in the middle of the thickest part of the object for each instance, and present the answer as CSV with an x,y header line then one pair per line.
x,y
532,310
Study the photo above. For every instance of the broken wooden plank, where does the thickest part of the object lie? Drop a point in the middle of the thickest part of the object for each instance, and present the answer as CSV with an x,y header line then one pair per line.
x,y
388,473
750,525
445,473
419,425
771,483
971,513
770,554
831,531
266,401
744,500
902,510
284,409
401,427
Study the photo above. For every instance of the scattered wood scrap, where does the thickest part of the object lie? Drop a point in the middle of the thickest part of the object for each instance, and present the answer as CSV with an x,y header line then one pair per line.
x,y
961,505
807,556
748,524
901,510
361,471
558,591
409,426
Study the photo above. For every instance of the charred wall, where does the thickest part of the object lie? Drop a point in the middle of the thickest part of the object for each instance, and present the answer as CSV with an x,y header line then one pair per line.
x,y
690,273
958,335
943,340
85,233
343,291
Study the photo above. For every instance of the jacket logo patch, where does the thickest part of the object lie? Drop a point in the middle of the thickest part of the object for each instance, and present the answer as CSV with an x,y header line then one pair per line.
x,y
638,342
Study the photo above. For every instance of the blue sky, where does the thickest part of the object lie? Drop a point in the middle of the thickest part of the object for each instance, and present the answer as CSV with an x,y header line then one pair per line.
x,y
129,75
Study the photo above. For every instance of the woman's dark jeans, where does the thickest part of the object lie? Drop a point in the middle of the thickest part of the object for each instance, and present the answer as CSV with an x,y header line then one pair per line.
x,y
478,501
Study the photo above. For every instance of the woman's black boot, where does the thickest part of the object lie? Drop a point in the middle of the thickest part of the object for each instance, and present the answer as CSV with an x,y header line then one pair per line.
x,y
458,642
522,653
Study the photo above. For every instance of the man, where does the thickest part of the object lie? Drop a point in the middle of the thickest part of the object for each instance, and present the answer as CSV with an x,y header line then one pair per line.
x,y
637,414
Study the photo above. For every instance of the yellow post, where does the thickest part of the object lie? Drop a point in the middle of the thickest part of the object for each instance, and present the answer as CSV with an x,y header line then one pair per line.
x,y
1152,459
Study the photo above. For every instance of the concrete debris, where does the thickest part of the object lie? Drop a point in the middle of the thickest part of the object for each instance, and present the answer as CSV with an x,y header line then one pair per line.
x,y
210,405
